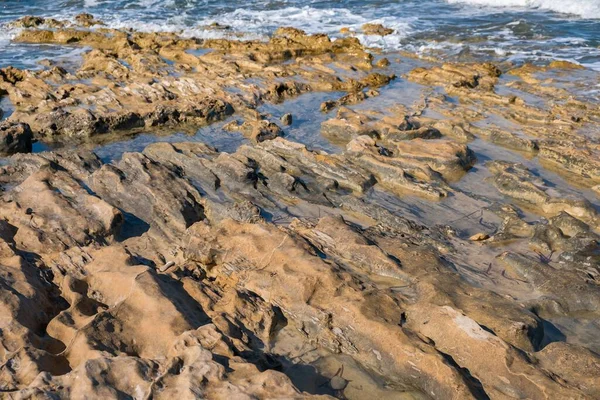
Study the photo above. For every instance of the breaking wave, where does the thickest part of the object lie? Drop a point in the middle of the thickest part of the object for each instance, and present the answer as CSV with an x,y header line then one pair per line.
x,y
583,8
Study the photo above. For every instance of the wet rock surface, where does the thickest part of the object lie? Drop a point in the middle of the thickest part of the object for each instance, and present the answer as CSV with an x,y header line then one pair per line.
x,y
15,138
132,80
449,249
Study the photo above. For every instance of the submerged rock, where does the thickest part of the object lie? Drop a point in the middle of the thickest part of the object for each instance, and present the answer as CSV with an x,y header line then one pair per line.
x,y
258,131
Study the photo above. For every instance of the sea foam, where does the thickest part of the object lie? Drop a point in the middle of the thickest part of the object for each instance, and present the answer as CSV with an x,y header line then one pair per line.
x,y
583,8
259,24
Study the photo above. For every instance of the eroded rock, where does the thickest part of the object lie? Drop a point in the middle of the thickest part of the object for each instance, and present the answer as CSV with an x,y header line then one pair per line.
x,y
376,29
280,271
15,138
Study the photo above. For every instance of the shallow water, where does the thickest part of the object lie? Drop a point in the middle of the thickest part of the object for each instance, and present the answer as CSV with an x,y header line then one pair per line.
x,y
509,30
307,119
213,135
505,30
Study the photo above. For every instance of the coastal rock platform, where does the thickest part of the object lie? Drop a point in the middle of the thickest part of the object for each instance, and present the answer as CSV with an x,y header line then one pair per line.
x,y
442,243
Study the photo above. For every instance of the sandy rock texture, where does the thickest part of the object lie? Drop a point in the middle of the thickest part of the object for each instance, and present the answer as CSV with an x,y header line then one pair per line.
x,y
167,274
135,80
448,250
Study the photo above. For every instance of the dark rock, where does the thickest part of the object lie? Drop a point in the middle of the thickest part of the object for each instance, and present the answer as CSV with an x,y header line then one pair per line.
x,y
287,119
15,138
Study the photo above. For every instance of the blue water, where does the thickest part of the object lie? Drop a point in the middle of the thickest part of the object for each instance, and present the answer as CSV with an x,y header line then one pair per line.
x,y
514,30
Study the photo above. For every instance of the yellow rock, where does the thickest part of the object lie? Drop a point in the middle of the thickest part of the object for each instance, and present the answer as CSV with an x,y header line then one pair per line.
x,y
478,237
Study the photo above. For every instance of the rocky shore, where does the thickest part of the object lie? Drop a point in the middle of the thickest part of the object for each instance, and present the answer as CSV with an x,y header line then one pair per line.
x,y
447,249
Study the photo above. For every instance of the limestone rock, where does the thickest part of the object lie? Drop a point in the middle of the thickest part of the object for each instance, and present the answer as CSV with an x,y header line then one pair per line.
x,y
376,29
15,138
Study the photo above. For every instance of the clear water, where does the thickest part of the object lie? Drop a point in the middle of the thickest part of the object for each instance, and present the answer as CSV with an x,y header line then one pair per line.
x,y
497,30
515,30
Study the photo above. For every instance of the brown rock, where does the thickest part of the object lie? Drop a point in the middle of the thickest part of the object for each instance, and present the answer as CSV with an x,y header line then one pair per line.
x,y
573,364
478,237
482,76
287,119
257,130
87,20
279,271
382,63
15,138
376,29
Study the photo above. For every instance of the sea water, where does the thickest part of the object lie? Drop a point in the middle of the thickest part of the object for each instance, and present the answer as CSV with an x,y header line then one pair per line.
x,y
496,30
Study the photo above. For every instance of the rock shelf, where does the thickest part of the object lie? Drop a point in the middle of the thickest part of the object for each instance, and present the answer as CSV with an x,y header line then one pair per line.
x,y
448,250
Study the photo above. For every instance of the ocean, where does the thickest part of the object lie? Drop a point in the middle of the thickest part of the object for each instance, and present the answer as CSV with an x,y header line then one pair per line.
x,y
497,30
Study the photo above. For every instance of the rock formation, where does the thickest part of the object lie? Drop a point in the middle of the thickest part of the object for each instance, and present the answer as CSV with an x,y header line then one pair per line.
x,y
429,257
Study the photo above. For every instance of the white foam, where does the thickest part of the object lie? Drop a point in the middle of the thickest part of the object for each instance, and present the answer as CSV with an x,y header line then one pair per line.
x,y
190,19
5,36
583,8
258,24
312,20
308,18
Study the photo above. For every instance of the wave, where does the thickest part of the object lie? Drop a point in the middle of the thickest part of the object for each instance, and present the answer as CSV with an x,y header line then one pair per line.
x,y
257,24
246,24
583,8
412,32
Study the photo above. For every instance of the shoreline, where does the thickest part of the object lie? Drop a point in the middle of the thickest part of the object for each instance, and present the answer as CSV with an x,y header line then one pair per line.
x,y
378,225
